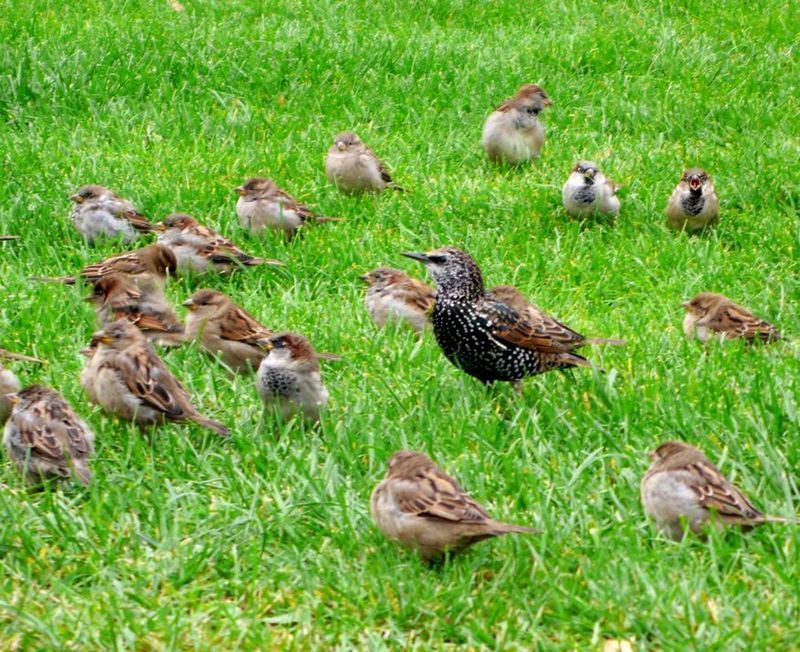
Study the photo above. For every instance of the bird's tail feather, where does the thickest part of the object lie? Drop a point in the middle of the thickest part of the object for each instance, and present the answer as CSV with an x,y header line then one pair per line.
x,y
67,280
321,219
603,340
510,528
216,426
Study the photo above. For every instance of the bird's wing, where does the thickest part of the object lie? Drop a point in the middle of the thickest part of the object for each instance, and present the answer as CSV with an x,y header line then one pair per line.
x,y
290,203
138,221
434,494
739,322
417,293
128,263
238,326
716,493
55,432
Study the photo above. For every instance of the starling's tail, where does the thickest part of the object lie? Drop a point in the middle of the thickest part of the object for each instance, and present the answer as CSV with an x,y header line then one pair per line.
x,y
603,340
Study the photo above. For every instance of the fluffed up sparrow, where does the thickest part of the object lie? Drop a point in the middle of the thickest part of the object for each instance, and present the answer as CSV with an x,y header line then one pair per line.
x,y
589,191
99,213
9,384
421,507
710,315
513,132
693,204
393,295
353,167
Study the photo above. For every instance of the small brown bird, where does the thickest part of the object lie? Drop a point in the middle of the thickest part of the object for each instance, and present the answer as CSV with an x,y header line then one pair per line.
x,y
711,315
45,438
99,213
353,167
9,384
513,132
199,249
117,297
693,204
262,204
393,295
124,376
682,489
423,508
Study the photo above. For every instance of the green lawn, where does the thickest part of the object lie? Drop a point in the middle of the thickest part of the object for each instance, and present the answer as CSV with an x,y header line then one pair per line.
x,y
186,542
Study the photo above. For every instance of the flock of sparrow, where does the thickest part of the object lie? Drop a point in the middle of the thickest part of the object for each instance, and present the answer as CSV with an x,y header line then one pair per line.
x,y
492,335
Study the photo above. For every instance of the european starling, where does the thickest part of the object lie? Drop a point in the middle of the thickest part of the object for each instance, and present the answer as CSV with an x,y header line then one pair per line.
x,y
711,315
693,204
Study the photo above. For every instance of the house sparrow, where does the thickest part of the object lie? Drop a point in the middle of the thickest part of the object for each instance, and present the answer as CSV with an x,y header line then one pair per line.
x,y
393,295
588,190
289,378
116,297
9,384
263,204
713,315
682,488
124,376
45,438
199,248
423,508
512,132
353,167
98,213
693,204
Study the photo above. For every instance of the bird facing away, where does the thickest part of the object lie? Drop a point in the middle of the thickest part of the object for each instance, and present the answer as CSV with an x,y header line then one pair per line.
x,y
682,489
45,438
710,315
424,509
392,295
588,191
289,377
125,377
263,205
353,167
513,132
491,336
693,204
9,384
99,213
199,249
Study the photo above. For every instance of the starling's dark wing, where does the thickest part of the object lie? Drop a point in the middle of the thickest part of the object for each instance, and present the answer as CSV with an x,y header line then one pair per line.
x,y
736,321
510,327
431,493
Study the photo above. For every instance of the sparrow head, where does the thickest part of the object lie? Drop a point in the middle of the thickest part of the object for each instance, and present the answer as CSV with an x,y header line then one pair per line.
x,y
179,221
291,349
530,99
588,169
453,271
405,463
383,276
118,336
25,398
89,193
255,187
674,454
107,286
695,179
206,302
345,140
158,259
703,303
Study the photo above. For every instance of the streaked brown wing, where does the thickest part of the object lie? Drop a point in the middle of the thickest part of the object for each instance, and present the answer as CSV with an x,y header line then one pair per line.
x,y
739,322
715,492
237,325
138,221
436,495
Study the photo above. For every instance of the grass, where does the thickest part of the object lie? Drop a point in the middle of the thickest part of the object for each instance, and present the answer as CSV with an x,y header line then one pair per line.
x,y
185,542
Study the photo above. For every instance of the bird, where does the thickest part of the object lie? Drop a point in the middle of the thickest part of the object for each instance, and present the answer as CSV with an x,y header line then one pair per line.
x,y
588,191
45,438
693,205
4,238
115,297
125,377
262,204
9,384
199,249
710,315
513,132
99,213
353,167
489,336
424,509
683,489
392,295
289,379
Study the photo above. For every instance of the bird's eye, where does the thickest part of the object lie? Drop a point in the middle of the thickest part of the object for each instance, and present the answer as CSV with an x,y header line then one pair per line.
x,y
437,260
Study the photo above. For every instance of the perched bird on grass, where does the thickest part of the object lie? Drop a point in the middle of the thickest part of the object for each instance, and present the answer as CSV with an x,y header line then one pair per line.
x,y
683,490
353,167
9,384
513,132
424,509
393,295
588,191
125,377
693,205
710,315
45,438
99,213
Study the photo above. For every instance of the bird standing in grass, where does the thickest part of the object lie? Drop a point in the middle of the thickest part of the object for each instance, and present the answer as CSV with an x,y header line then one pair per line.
x,y
588,191
393,295
99,213
513,132
693,205
353,167
710,315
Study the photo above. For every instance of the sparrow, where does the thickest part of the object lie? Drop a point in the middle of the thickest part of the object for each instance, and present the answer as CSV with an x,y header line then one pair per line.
x,y
198,248
693,204
9,384
353,167
45,438
711,315
262,204
115,297
424,509
393,295
124,376
682,489
588,190
513,132
99,213
289,377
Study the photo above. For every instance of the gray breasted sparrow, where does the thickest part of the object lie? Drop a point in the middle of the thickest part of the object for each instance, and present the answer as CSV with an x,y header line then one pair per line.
x,y
589,191
99,213
693,204
353,167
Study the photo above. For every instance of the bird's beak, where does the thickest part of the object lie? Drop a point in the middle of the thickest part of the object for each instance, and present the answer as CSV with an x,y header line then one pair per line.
x,y
341,146
694,183
14,399
76,198
100,338
590,173
685,304
423,258
159,227
265,344
239,189
366,277
189,304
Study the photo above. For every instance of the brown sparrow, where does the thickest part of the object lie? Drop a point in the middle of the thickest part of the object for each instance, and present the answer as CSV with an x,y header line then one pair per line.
x,y
393,295
711,315
9,384
682,489
353,167
262,204
200,249
693,204
124,376
423,508
513,132
99,213
588,191
45,438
